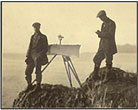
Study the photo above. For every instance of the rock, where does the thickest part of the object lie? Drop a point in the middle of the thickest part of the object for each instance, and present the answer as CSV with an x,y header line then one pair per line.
x,y
119,91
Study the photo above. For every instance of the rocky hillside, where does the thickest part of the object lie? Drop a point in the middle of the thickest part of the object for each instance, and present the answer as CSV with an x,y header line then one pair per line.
x,y
120,91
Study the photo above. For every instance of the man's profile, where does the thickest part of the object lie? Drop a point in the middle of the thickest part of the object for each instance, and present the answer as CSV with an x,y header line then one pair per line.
x,y
107,45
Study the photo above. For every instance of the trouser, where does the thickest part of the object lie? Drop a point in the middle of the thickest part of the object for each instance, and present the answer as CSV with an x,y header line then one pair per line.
x,y
101,55
34,63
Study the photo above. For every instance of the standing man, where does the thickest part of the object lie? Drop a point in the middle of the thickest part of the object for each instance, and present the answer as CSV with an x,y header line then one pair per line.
x,y
107,45
36,56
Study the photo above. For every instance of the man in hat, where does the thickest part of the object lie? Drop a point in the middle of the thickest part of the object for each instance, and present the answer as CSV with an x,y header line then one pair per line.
x,y
107,45
36,56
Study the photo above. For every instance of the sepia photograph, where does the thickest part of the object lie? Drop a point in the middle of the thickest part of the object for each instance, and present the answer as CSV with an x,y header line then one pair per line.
x,y
69,55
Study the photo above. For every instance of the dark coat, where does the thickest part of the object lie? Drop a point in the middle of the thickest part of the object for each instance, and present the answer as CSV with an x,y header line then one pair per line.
x,y
38,48
107,37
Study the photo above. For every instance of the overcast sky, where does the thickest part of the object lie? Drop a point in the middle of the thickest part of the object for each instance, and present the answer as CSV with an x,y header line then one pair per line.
x,y
77,22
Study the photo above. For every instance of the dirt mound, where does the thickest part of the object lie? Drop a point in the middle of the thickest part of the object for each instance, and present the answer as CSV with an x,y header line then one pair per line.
x,y
120,91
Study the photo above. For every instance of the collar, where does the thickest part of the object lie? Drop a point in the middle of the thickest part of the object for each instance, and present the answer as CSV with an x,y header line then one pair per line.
x,y
37,33
107,20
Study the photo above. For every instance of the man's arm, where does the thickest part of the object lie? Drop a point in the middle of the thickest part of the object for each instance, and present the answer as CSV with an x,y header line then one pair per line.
x,y
28,52
29,48
98,32
45,45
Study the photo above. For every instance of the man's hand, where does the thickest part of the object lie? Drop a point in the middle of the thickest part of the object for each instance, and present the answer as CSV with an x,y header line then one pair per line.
x,y
98,33
27,60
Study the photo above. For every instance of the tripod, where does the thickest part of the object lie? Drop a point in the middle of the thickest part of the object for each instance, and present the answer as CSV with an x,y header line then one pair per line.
x,y
68,66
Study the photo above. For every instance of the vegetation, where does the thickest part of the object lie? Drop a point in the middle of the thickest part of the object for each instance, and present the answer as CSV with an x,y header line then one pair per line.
x,y
120,91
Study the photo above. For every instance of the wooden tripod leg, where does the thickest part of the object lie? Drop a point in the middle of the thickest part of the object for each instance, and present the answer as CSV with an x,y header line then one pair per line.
x,y
67,70
74,72
69,74
49,63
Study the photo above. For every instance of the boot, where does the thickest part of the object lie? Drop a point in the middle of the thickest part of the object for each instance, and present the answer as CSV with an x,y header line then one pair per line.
x,y
109,75
95,73
37,87
109,66
29,87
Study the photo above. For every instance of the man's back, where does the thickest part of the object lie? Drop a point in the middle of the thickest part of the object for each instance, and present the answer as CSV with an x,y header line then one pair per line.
x,y
107,42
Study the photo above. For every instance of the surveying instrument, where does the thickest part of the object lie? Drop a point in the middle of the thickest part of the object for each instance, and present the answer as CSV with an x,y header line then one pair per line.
x,y
65,52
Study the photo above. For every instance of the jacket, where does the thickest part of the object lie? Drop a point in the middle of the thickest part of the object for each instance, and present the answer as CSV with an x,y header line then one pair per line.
x,y
38,48
107,37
